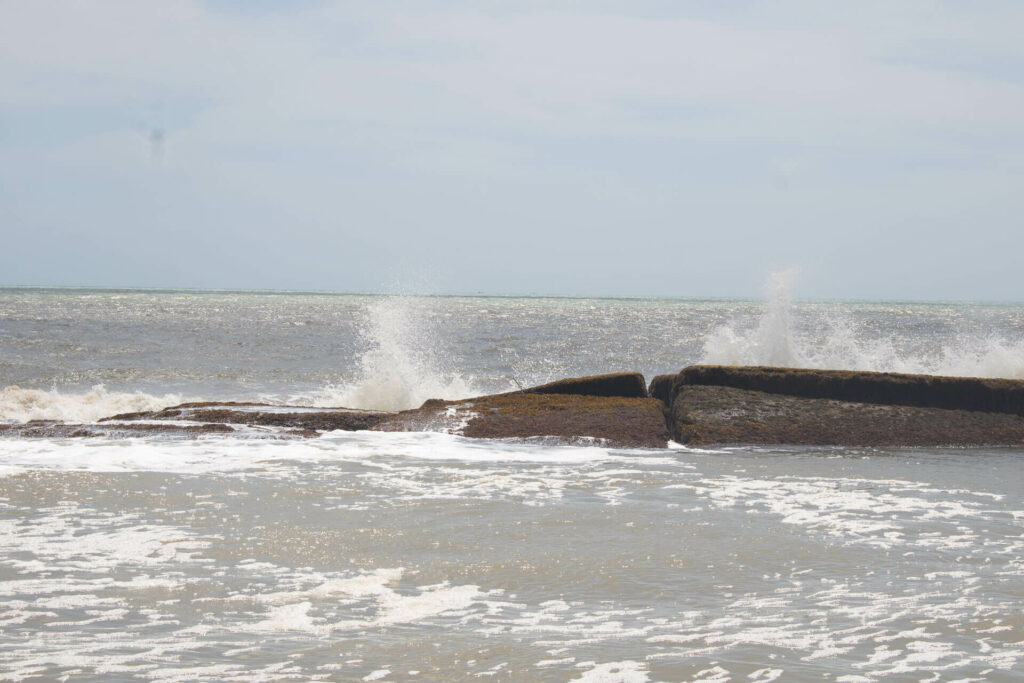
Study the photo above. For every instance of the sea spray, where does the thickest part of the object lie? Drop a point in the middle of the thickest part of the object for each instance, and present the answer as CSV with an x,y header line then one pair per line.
x,y
787,335
22,405
771,342
402,365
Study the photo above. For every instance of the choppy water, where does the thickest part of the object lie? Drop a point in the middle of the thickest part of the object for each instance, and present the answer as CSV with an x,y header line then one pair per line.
x,y
393,557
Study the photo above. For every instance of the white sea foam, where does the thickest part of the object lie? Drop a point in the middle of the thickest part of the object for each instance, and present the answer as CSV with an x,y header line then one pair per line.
x,y
775,341
210,455
22,405
75,565
93,567
616,672
403,364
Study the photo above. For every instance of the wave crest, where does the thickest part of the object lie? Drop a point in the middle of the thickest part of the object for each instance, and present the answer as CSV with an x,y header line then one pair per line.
x,y
838,345
22,405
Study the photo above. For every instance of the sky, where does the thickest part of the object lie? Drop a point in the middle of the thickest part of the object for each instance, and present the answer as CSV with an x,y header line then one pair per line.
x,y
682,149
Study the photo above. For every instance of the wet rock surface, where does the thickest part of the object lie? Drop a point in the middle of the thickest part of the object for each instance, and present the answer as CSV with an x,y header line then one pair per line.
x,y
715,415
293,417
699,405
624,384
615,420
885,388
767,405
45,429
661,388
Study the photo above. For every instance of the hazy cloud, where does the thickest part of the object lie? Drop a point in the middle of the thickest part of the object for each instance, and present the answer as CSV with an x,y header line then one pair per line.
x,y
651,148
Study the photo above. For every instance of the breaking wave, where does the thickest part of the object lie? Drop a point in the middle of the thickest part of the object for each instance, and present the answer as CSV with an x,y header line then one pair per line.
x,y
22,405
402,365
836,343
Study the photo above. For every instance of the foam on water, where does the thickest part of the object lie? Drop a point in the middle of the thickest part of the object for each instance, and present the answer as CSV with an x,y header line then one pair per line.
x,y
217,454
891,577
22,405
98,567
774,341
615,672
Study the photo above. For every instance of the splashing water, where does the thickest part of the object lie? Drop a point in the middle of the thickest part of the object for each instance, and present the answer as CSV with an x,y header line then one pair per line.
x,y
401,367
771,343
837,343
22,405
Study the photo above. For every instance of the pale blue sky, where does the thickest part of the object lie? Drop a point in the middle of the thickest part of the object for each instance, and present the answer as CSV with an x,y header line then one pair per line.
x,y
609,148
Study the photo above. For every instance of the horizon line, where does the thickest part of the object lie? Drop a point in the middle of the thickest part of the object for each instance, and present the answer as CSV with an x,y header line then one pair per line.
x,y
483,295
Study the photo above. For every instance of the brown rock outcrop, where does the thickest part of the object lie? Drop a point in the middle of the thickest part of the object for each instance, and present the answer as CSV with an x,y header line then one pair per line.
x,y
766,405
885,388
699,405
706,415
624,384
616,420
661,388
613,408
292,417
46,429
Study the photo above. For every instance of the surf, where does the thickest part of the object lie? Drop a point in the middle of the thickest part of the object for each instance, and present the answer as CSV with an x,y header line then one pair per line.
x,y
788,334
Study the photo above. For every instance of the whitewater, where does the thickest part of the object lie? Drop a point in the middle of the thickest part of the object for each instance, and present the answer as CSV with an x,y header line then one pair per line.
x,y
362,556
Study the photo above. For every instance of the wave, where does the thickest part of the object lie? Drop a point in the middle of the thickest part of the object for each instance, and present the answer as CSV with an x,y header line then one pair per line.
x,y
838,345
403,364
22,405
236,455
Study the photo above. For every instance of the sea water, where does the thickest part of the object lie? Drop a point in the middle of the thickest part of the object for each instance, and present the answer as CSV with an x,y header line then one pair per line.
x,y
430,557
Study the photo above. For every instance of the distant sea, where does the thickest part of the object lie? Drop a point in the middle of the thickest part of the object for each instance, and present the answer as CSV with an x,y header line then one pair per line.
x,y
430,557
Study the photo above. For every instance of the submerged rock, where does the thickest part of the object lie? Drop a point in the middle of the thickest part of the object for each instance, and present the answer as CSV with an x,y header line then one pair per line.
x,y
47,429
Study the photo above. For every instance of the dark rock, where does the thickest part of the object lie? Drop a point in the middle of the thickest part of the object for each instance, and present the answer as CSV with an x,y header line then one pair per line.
x,y
324,421
616,420
623,384
434,403
886,388
661,388
320,419
706,414
700,405
43,429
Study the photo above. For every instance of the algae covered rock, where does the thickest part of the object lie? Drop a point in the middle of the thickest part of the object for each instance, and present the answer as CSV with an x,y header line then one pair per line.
x,y
768,405
717,415
886,388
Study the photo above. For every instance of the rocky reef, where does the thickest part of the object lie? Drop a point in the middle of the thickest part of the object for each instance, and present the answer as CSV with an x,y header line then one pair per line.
x,y
883,388
768,405
700,405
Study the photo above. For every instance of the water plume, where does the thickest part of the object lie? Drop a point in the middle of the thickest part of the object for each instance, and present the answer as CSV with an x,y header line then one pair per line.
x,y
402,364
790,336
771,342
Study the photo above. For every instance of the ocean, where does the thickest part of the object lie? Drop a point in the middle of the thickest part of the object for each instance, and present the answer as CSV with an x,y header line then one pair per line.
x,y
365,556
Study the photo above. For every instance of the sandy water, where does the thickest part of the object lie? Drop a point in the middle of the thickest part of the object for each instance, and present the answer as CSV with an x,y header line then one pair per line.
x,y
364,556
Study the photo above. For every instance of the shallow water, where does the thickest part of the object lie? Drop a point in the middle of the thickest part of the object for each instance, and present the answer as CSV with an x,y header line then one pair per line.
x,y
413,556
